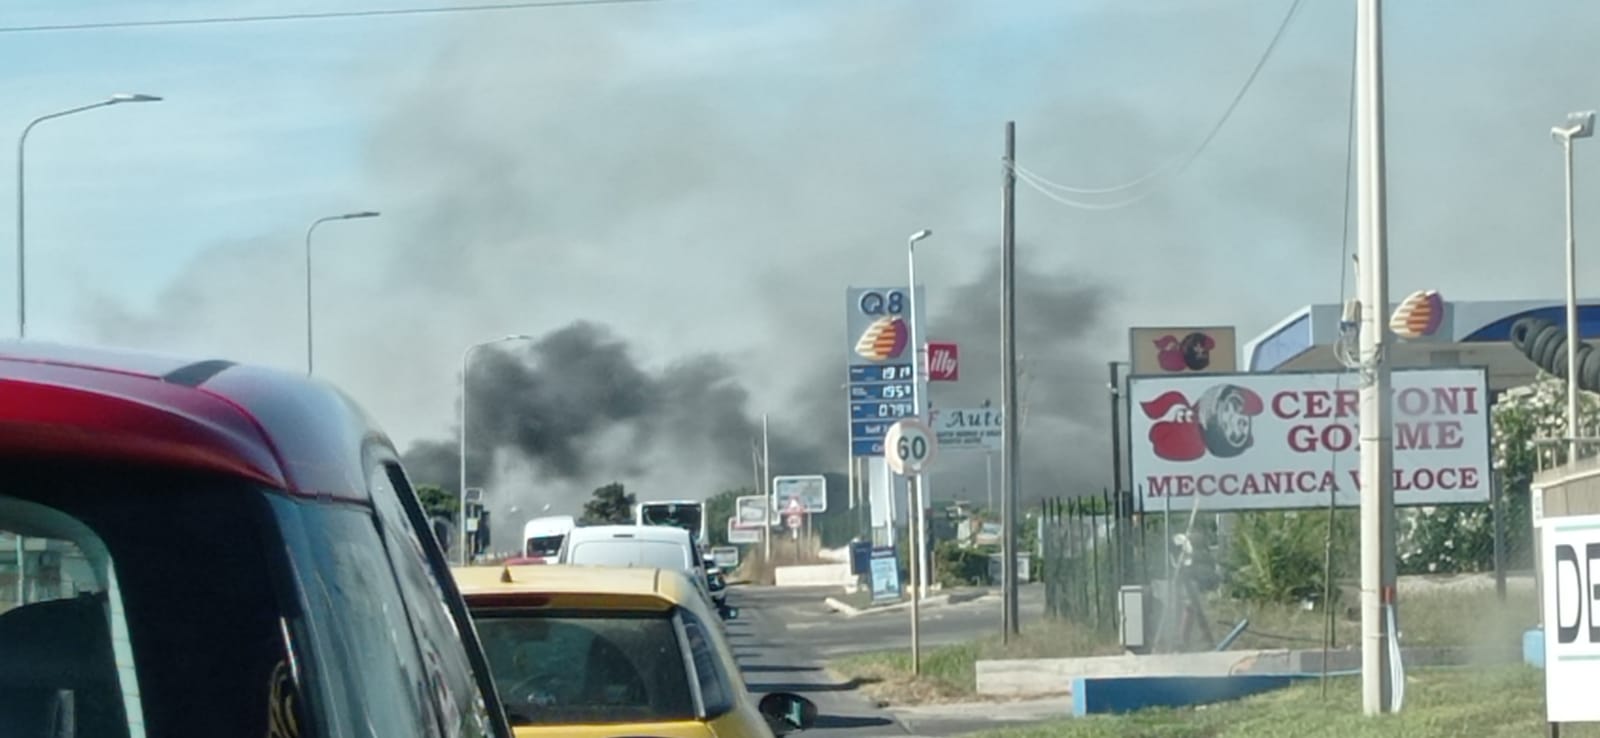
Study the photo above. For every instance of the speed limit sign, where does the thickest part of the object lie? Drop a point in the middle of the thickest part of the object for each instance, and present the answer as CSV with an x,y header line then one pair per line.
x,y
909,447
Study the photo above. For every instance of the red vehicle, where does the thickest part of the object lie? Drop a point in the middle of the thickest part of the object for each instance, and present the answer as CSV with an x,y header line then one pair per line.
x,y
204,549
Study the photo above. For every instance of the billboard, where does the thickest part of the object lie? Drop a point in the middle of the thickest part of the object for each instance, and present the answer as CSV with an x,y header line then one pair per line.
x,y
967,429
1277,441
742,535
879,366
1182,350
811,490
1570,570
750,512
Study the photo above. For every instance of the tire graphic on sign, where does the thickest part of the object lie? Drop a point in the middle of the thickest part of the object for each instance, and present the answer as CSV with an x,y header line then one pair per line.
x,y
1225,412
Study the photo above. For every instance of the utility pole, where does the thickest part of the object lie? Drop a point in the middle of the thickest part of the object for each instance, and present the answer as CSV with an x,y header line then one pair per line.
x,y
1008,380
766,491
1377,453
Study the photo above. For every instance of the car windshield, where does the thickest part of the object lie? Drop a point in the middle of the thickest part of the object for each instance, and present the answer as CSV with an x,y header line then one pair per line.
x,y
586,667
137,602
629,552
686,517
545,546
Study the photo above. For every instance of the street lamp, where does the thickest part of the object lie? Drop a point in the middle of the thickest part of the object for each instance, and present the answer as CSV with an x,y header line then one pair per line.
x,y
117,99
920,534
314,224
461,514
1579,125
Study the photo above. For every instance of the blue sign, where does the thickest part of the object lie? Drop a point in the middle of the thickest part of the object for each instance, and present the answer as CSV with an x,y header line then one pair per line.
x,y
885,391
885,575
881,369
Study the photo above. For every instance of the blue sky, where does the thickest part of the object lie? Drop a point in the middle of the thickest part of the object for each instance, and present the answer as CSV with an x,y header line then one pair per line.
x,y
708,175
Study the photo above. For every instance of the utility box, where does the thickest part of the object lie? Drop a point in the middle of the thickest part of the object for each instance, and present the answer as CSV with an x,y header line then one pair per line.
x,y
1133,610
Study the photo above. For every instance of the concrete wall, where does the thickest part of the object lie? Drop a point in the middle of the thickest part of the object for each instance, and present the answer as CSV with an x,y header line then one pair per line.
x,y
816,575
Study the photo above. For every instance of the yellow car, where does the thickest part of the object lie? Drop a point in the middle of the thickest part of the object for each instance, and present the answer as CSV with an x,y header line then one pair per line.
x,y
602,652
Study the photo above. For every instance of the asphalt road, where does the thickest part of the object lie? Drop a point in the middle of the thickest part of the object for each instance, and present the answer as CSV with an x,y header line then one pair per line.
x,y
829,634
773,660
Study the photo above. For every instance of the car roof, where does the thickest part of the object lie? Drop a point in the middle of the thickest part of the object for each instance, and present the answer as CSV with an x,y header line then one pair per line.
x,y
277,428
502,585
631,532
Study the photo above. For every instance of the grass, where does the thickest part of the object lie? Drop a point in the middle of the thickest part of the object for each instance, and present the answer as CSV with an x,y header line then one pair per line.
x,y
1434,618
949,672
1487,703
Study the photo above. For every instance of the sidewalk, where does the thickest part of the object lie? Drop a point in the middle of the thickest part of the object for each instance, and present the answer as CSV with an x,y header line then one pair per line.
x,y
935,600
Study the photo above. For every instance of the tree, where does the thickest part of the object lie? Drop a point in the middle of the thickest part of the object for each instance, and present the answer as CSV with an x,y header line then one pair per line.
x,y
438,502
1459,538
719,508
612,505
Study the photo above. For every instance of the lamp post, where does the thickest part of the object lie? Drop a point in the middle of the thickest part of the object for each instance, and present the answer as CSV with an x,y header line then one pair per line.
x,y
1579,125
919,537
309,231
22,302
461,514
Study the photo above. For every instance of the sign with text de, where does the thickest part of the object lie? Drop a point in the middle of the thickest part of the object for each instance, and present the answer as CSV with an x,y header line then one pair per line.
x,y
944,362
1570,569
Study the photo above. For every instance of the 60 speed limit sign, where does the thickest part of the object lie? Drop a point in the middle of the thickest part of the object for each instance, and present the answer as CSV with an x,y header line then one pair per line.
x,y
909,446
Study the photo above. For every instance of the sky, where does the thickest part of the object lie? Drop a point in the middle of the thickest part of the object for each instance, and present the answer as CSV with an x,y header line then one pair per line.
x,y
704,178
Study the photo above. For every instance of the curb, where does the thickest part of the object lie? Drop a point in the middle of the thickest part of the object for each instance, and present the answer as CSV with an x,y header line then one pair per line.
x,y
841,607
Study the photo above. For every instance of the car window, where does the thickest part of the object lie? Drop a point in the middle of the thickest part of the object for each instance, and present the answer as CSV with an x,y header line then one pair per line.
x,y
543,546
716,690
139,603
455,692
373,684
629,552
566,667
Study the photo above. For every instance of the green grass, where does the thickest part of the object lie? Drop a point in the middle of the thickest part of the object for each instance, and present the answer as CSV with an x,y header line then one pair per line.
x,y
949,672
1487,703
1426,619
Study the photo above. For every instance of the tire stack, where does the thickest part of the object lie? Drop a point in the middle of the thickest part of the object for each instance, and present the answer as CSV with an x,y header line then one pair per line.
x,y
1544,342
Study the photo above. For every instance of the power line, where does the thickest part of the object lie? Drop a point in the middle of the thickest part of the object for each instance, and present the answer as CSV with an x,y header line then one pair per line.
x,y
369,13
1177,165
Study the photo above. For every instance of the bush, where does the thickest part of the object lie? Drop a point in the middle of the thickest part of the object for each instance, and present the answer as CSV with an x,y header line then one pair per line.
x,y
957,566
1279,556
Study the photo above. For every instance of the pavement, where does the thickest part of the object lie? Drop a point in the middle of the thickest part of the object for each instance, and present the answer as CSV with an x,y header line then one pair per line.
x,y
784,636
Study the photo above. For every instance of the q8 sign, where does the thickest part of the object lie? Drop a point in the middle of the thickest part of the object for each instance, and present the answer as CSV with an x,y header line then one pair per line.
x,y
879,369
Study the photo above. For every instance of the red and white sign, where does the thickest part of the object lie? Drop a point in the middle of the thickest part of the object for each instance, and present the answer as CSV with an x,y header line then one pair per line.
x,y
1276,441
944,362
795,521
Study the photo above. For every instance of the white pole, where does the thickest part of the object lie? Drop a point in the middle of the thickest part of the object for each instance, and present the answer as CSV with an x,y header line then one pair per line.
x,y
1377,460
766,490
461,491
1572,316
919,501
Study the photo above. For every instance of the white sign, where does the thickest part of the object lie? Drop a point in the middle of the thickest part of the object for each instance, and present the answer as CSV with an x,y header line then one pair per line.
x,y
749,512
909,447
727,557
810,490
742,535
967,429
1570,569
1275,441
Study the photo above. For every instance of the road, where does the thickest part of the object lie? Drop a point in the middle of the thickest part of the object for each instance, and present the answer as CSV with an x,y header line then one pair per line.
x,y
774,661
831,634
783,636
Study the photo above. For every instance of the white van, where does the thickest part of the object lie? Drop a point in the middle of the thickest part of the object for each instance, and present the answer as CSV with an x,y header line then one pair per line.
x,y
542,537
641,546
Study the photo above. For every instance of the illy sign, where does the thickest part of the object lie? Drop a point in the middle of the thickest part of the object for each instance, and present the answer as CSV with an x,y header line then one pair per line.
x,y
944,362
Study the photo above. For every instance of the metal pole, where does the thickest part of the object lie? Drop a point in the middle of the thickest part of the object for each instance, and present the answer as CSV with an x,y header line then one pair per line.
x,y
1572,315
1377,453
461,492
988,478
766,489
916,597
919,401
309,231
1008,378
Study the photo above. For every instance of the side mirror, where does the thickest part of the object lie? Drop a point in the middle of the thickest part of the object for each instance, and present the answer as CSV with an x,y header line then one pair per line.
x,y
788,713
728,613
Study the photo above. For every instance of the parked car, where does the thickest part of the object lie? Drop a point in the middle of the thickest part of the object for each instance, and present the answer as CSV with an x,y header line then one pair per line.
x,y
206,549
652,546
592,652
